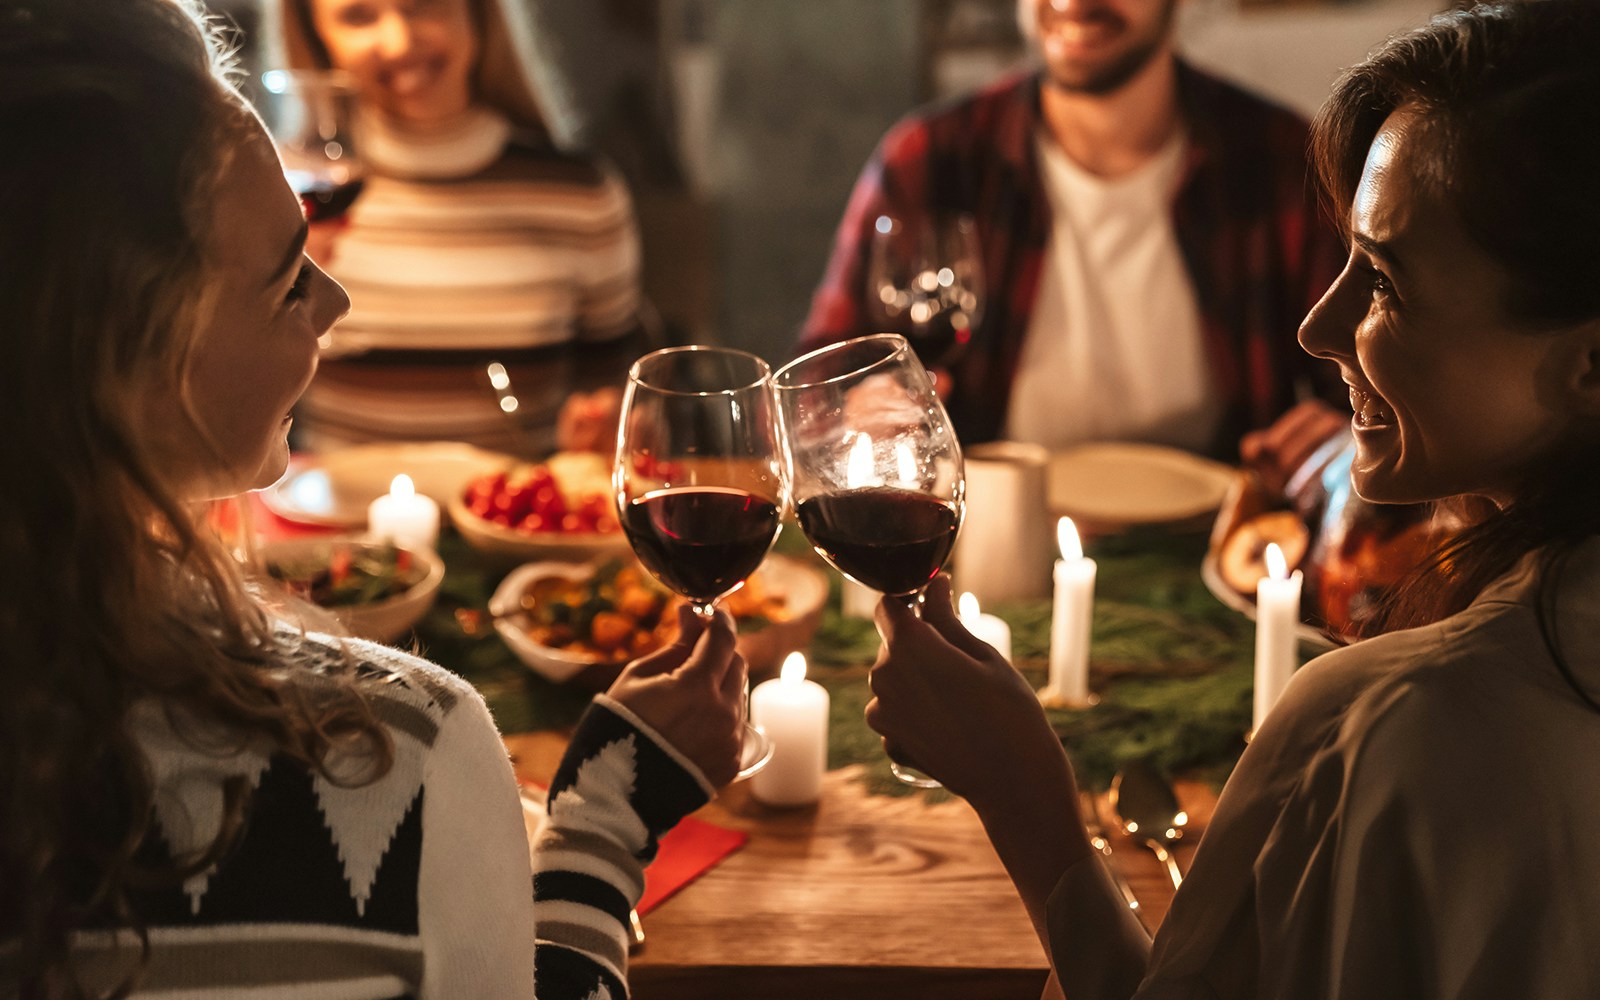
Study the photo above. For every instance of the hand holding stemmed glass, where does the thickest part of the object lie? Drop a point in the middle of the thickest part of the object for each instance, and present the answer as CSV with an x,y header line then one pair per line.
x,y
876,468
700,478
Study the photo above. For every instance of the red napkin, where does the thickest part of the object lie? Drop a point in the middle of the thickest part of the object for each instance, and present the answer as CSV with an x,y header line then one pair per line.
x,y
688,851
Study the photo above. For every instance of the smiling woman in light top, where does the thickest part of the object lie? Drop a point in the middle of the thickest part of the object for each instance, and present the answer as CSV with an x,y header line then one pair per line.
x,y
1414,817
476,239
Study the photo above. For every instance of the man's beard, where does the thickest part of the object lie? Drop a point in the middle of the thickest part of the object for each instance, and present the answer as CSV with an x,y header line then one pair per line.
x,y
1112,78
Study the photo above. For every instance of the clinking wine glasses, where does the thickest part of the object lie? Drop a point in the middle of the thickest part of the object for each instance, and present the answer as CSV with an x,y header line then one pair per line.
x,y
876,468
700,479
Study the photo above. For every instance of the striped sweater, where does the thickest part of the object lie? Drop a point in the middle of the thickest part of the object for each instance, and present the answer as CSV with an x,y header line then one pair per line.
x,y
487,245
416,885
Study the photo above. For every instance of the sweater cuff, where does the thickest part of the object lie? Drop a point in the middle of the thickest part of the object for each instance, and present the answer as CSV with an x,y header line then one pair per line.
x,y
665,786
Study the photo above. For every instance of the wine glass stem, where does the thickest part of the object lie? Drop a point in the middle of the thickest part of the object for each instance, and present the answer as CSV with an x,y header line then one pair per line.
x,y
912,601
706,610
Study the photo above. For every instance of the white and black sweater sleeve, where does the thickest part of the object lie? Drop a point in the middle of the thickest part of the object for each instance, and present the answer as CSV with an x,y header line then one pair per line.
x,y
618,789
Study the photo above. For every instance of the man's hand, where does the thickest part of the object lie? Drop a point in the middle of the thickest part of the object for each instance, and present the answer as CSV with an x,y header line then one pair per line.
x,y
1276,452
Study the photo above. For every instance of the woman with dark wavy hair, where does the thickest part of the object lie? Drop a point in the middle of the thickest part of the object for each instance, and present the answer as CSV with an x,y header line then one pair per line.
x,y
197,797
1415,817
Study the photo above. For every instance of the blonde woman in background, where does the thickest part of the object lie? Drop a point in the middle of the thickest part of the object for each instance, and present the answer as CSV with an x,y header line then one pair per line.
x,y
476,239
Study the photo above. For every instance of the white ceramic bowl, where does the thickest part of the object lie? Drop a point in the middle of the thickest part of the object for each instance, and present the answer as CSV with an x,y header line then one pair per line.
x,y
381,621
804,589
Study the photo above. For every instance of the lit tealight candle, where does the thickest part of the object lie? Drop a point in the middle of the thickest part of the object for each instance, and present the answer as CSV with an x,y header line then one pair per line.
x,y
989,628
1277,616
1070,621
404,516
794,713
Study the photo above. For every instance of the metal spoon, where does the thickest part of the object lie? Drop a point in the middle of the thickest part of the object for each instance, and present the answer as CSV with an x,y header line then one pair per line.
x,y
1102,846
1148,810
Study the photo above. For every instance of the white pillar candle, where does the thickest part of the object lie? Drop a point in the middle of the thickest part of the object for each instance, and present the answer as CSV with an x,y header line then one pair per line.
x,y
794,713
1070,621
404,516
989,628
1277,617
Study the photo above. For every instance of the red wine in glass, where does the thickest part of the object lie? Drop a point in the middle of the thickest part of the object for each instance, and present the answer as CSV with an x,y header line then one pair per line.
x,y
323,198
892,540
701,541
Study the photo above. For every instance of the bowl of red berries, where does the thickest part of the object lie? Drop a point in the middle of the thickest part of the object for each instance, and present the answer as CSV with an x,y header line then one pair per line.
x,y
558,509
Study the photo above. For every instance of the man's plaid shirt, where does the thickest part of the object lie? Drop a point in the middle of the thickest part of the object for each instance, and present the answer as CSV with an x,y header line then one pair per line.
x,y
1246,219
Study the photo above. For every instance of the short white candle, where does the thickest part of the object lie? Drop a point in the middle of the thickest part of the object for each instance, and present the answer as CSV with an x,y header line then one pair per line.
x,y
1277,617
404,516
1071,620
794,713
989,628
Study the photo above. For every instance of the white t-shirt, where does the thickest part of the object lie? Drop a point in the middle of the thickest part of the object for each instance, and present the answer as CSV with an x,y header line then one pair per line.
x,y
1113,351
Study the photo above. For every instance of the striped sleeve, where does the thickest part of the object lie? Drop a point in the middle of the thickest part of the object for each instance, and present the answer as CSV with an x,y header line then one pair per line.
x,y
618,789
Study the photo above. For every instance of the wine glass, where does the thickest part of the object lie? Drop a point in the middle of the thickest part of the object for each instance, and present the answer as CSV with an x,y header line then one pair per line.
x,y
700,478
875,465
925,282
309,114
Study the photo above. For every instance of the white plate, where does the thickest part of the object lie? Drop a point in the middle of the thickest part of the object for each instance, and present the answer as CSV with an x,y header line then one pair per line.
x,y
1109,485
335,488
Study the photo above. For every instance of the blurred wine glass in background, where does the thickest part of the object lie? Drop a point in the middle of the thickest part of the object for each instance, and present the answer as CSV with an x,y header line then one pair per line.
x,y
925,282
309,115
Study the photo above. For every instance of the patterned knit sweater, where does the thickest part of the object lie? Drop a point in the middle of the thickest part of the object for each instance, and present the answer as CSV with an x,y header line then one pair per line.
x,y
416,885
484,245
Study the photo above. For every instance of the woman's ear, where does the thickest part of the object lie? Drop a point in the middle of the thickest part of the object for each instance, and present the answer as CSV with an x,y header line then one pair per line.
x,y
1584,374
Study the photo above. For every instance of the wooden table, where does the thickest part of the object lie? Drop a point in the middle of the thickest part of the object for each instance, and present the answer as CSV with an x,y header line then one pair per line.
x,y
860,896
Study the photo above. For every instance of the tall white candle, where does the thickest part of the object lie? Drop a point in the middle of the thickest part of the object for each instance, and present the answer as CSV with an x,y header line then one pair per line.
x,y
1277,616
404,516
989,628
1071,619
794,713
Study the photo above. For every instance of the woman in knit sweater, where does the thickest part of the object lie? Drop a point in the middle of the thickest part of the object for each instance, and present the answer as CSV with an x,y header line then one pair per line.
x,y
201,798
476,239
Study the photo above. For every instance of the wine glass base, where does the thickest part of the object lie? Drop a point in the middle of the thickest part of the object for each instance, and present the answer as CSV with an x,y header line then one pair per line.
x,y
754,752
913,777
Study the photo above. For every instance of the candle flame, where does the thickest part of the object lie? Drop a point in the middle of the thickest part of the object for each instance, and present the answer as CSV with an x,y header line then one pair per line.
x,y
858,472
402,486
1067,539
793,670
907,464
968,607
1277,566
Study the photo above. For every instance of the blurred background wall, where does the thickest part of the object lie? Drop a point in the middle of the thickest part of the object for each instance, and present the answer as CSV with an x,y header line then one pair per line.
x,y
741,124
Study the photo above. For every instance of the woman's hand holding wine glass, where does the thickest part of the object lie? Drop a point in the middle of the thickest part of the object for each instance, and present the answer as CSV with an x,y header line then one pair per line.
x,y
700,479
877,471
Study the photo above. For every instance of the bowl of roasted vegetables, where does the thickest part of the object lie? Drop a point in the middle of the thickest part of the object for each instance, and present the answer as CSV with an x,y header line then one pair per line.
x,y
375,590
584,621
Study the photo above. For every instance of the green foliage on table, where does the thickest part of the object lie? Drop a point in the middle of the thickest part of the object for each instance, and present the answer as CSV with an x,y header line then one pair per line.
x,y
1172,666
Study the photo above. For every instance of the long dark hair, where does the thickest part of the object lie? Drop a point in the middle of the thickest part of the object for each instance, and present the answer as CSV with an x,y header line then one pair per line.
x,y
116,122
1510,93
